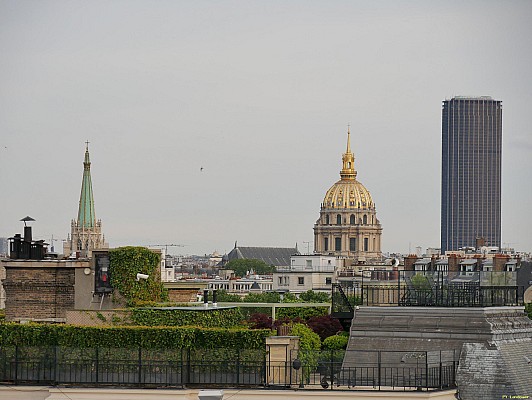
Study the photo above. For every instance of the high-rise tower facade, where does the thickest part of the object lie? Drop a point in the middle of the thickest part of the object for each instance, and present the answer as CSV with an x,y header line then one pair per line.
x,y
471,172
348,226
85,232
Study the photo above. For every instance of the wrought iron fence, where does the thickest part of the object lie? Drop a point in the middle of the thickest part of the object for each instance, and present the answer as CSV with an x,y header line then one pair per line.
x,y
331,370
428,288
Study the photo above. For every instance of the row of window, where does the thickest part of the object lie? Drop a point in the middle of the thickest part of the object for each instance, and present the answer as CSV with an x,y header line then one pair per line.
x,y
285,280
338,244
352,220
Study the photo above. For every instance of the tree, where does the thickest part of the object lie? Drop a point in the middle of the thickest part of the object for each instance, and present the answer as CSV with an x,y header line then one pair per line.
x,y
223,297
311,296
266,297
242,266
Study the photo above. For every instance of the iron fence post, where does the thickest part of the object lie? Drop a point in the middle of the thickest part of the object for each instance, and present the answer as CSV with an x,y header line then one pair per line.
x,y
187,379
332,369
16,365
139,365
55,365
379,371
440,371
97,365
238,366
426,371
263,372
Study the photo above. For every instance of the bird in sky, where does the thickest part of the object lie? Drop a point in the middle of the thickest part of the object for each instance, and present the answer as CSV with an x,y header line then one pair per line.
x,y
201,169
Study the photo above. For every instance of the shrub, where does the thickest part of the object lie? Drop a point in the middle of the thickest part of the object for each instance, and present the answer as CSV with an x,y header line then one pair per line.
x,y
528,310
325,326
301,312
336,342
131,336
210,318
308,340
309,346
260,321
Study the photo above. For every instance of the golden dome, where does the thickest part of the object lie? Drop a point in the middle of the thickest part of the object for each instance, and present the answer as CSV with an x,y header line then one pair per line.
x,y
348,193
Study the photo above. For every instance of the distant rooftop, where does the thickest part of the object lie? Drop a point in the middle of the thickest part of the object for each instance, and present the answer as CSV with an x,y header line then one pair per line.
x,y
470,98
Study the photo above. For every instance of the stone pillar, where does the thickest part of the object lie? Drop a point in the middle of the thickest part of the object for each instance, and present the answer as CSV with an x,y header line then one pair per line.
x,y
281,352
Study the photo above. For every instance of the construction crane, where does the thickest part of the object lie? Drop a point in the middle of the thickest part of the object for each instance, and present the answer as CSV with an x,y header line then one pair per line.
x,y
166,246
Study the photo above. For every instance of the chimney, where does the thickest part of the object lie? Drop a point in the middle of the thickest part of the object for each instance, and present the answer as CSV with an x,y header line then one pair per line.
x,y
453,261
499,261
27,234
409,262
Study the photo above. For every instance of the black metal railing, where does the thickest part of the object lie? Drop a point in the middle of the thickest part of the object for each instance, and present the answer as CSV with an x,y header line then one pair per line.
x,y
428,288
381,370
332,370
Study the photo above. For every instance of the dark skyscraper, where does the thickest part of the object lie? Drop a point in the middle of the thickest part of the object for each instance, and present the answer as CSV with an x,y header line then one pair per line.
x,y
471,172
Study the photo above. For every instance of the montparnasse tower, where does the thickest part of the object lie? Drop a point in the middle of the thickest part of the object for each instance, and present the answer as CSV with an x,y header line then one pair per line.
x,y
85,232
348,226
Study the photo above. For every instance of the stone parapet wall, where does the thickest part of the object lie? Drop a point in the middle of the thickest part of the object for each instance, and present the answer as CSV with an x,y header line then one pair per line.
x,y
493,343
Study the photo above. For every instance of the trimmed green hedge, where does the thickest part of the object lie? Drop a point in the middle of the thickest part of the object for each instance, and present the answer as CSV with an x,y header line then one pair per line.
x,y
131,336
301,312
211,318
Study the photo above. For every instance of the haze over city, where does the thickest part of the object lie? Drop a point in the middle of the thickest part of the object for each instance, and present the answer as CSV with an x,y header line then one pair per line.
x,y
211,122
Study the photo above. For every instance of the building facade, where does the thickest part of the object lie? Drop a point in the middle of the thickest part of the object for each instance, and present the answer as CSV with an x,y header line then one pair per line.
x,y
306,272
471,173
348,226
85,232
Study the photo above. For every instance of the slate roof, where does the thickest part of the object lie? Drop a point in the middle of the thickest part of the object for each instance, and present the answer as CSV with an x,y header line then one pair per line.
x,y
276,256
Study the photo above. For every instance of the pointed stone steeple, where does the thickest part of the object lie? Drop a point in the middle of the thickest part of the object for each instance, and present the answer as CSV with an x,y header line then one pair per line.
x,y
86,215
86,232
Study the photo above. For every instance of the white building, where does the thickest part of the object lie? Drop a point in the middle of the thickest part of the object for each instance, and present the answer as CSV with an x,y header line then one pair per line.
x,y
306,272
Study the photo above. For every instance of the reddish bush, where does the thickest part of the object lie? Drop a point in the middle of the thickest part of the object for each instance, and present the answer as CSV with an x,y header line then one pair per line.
x,y
324,326
260,321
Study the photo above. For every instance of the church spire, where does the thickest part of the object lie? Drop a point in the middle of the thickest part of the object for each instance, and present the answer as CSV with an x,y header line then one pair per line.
x,y
348,160
86,215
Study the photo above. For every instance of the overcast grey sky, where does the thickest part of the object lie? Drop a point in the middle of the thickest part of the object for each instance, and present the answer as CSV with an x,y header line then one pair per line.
x,y
259,94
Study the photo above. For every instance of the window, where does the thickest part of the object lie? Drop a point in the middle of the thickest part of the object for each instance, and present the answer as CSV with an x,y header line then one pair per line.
x,y
365,219
352,244
328,281
338,219
352,219
327,219
309,264
284,281
366,244
300,280
338,244
326,244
